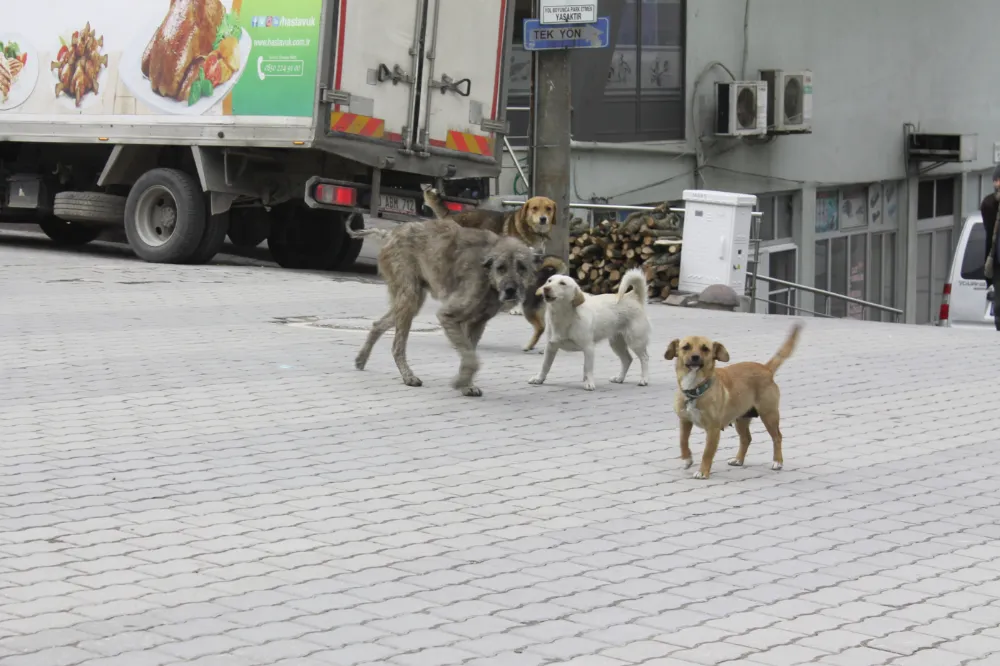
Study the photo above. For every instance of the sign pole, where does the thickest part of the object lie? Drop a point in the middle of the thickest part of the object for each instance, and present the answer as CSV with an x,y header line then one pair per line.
x,y
558,27
552,120
552,142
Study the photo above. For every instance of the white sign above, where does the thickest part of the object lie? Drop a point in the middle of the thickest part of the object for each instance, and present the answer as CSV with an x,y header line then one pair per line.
x,y
567,11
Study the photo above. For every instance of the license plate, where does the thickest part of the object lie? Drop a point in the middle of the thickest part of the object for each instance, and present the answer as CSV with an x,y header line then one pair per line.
x,y
400,205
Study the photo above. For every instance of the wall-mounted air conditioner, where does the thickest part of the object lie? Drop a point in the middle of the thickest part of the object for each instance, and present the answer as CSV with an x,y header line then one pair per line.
x,y
789,101
741,108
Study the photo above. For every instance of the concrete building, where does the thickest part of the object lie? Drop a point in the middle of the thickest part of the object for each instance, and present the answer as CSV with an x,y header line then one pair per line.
x,y
842,211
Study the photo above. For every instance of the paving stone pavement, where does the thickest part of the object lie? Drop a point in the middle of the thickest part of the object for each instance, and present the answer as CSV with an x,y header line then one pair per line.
x,y
192,474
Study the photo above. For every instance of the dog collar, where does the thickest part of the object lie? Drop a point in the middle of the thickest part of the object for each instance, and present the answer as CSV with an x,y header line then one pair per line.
x,y
697,391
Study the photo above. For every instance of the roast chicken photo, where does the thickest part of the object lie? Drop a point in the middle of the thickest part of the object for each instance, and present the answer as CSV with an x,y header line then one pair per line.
x,y
195,50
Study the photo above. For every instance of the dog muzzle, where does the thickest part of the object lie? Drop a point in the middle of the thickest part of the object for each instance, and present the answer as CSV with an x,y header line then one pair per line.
x,y
510,293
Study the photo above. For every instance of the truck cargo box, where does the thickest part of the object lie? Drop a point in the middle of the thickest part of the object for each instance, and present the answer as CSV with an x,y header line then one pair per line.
x,y
408,85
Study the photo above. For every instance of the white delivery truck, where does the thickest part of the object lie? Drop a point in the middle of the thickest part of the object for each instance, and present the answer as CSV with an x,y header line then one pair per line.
x,y
185,120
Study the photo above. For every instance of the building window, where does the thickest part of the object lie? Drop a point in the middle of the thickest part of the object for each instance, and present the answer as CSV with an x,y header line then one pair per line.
x,y
775,221
978,185
642,96
855,255
936,198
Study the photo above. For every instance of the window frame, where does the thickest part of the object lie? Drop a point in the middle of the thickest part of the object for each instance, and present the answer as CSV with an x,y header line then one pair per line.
x,y
588,115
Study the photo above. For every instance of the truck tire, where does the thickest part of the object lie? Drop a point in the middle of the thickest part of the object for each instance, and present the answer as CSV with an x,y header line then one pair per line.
x,y
351,249
89,207
248,227
68,234
216,228
306,238
166,217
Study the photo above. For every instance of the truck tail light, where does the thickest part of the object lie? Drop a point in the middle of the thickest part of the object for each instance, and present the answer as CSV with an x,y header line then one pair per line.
x,y
336,195
454,206
945,309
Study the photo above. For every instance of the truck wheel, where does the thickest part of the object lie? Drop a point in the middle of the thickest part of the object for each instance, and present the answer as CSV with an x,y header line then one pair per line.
x,y
216,228
351,249
68,234
165,216
306,238
248,227
89,207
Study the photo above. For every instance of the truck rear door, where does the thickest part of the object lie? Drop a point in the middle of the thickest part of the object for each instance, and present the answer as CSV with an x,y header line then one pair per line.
x,y
462,78
377,51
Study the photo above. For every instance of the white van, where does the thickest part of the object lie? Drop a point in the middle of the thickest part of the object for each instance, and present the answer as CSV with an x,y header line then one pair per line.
x,y
964,303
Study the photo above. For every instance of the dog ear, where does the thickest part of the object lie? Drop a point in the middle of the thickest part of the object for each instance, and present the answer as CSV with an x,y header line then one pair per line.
x,y
671,352
522,213
555,213
720,352
578,298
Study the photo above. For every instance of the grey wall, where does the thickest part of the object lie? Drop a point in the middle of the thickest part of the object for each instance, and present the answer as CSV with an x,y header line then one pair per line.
x,y
877,64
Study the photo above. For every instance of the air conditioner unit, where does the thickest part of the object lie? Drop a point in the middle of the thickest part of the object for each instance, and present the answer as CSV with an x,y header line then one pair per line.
x,y
789,101
741,108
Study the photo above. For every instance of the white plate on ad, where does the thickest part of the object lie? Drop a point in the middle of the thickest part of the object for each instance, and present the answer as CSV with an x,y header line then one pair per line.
x,y
27,79
130,73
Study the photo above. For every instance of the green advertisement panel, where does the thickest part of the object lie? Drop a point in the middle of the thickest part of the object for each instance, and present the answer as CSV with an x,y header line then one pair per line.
x,y
283,60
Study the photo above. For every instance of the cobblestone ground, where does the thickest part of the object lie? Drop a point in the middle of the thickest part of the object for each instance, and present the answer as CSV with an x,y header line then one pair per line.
x,y
194,475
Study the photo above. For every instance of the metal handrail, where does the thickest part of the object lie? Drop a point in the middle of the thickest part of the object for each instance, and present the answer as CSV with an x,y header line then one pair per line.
x,y
829,294
517,162
794,307
594,206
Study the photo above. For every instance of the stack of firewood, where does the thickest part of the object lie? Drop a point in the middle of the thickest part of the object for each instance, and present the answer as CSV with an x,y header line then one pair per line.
x,y
599,256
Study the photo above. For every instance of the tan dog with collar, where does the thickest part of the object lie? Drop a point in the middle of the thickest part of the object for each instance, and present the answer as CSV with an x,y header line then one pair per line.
x,y
713,398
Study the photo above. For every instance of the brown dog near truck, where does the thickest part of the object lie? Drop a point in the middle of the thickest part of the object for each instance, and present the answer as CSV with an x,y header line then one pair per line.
x,y
712,398
531,223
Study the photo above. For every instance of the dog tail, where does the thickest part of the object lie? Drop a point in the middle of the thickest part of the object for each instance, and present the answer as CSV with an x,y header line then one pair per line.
x,y
381,234
433,200
635,279
786,350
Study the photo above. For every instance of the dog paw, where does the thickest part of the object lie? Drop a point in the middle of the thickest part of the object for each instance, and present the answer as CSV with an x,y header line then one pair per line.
x,y
472,392
618,379
735,462
516,311
360,363
776,466
643,382
589,386
412,381
536,380
687,462
699,475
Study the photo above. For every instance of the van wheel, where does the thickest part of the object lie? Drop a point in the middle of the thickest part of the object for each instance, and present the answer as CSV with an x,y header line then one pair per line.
x,y
306,238
166,217
68,234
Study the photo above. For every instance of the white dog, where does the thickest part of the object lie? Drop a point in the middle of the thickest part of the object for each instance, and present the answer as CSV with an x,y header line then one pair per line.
x,y
577,322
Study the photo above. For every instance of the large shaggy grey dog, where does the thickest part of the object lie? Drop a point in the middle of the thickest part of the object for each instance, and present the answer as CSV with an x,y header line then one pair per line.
x,y
473,273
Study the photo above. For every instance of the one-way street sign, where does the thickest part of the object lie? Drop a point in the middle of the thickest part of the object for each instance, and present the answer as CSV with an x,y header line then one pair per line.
x,y
538,37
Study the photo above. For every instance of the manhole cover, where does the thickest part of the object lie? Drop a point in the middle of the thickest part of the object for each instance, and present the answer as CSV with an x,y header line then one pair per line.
x,y
348,324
